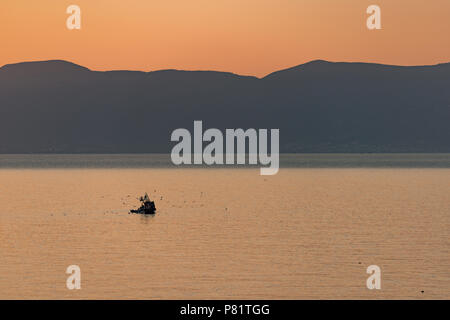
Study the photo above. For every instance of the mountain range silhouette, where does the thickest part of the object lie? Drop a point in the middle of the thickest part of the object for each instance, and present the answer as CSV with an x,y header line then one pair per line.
x,y
60,107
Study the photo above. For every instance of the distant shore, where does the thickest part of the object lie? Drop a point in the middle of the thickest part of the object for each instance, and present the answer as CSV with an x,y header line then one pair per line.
x,y
290,160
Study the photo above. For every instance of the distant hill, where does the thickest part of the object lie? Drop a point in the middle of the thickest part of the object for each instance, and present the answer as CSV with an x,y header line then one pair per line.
x,y
60,107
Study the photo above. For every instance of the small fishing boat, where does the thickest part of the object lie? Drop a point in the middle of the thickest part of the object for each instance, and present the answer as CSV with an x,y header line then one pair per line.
x,y
147,207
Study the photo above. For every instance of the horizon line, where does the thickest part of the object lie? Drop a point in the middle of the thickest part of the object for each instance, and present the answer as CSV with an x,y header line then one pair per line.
x,y
229,72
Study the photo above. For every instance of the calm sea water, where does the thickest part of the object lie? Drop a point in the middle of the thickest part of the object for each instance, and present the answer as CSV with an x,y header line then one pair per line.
x,y
308,232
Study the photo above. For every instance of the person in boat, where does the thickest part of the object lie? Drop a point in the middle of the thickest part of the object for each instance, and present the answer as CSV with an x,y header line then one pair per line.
x,y
146,198
148,206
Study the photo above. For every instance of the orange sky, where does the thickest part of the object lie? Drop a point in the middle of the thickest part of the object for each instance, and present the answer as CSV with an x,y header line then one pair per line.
x,y
243,36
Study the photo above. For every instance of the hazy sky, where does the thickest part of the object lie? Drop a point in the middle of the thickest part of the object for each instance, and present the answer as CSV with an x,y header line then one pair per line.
x,y
243,36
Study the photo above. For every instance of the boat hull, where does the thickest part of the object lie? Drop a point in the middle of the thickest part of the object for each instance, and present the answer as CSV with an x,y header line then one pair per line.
x,y
143,211
146,208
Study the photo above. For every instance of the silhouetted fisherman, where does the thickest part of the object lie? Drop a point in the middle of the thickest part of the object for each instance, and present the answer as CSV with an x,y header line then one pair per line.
x,y
147,207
